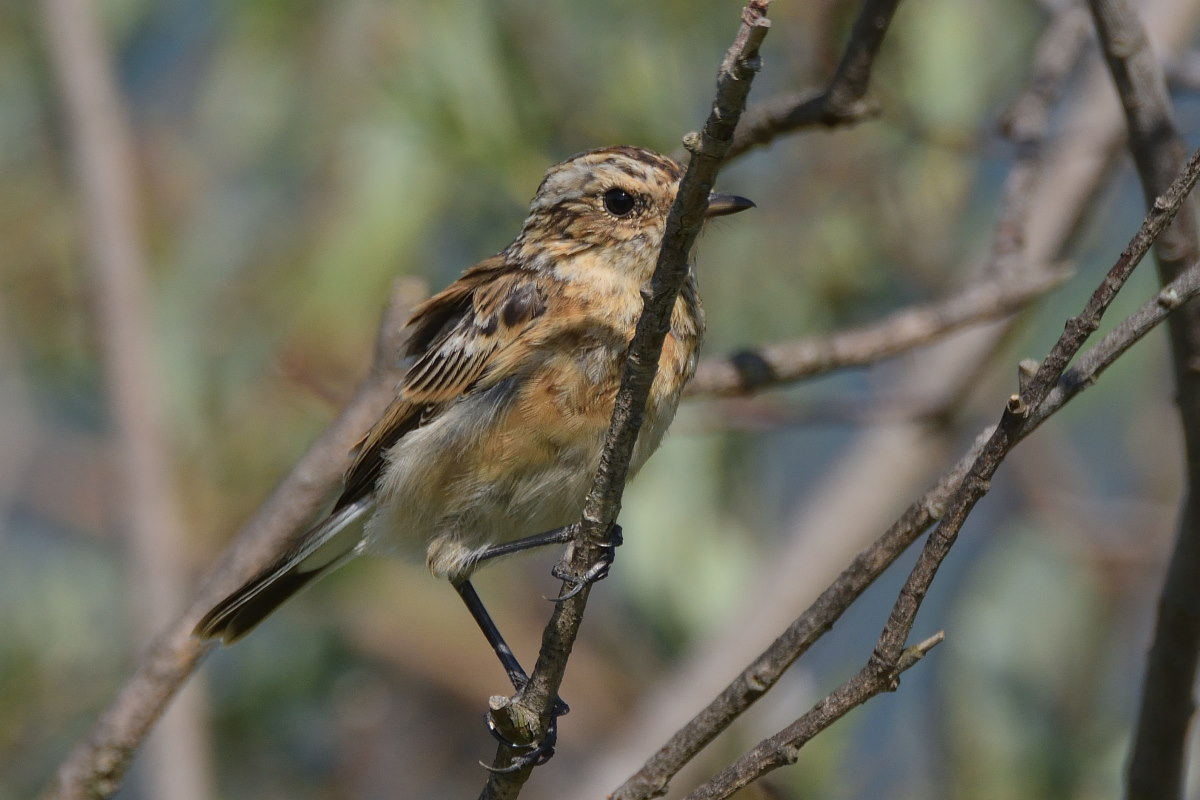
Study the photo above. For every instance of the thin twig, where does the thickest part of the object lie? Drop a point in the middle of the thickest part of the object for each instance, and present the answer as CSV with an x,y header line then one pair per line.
x,y
1090,365
785,362
784,747
1158,762
882,670
653,779
843,102
1057,50
95,768
1018,410
708,149
765,671
178,760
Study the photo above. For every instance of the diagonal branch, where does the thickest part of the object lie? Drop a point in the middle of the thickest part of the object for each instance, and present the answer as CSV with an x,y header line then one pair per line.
x,y
1028,123
843,102
708,149
783,748
117,267
1158,762
780,363
1049,388
95,768
866,568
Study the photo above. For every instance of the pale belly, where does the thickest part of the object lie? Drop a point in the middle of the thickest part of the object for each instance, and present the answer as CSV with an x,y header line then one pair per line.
x,y
489,471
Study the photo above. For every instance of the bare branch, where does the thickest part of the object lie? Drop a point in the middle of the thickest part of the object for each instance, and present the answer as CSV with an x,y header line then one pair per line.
x,y
843,102
765,671
708,149
1157,764
951,500
784,747
1019,408
1026,124
95,768
1089,366
785,362
152,522
1059,46
882,671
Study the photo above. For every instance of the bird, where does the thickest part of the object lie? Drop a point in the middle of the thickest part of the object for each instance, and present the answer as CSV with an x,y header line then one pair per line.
x,y
495,431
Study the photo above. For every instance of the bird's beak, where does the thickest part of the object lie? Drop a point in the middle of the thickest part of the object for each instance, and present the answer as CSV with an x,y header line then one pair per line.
x,y
720,205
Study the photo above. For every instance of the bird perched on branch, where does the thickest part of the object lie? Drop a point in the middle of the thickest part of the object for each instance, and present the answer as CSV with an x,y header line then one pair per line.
x,y
495,433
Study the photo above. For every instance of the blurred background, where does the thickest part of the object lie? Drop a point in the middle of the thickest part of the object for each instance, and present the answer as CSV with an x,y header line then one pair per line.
x,y
294,159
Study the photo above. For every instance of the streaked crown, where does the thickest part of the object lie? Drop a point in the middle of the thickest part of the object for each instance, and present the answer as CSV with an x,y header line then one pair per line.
x,y
607,198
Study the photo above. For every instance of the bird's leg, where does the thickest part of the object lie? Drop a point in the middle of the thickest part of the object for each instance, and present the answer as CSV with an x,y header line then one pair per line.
x,y
562,535
557,536
483,619
597,571
538,752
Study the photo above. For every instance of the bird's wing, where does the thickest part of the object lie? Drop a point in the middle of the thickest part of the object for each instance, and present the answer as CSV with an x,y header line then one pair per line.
x,y
454,337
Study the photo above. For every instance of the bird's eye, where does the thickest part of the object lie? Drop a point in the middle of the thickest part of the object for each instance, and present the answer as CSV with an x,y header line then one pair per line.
x,y
619,202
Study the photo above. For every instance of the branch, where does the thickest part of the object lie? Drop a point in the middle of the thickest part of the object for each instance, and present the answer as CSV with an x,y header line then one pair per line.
x,y
150,518
1158,761
951,499
1016,415
653,779
1091,364
1028,124
95,768
785,362
1011,284
843,102
1023,414
784,747
603,502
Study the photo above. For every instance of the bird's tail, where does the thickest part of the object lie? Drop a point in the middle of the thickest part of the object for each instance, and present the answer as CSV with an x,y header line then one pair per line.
x,y
323,549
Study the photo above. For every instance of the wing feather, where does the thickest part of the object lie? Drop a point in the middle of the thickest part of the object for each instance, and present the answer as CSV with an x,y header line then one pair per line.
x,y
454,337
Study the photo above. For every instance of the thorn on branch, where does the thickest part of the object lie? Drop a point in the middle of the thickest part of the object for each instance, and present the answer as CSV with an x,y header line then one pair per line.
x,y
915,653
1169,299
1025,372
935,509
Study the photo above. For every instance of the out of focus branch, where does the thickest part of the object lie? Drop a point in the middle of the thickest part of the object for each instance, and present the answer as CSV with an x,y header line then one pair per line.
x,y
1010,283
843,102
1020,417
1026,124
708,149
150,518
786,362
95,768
1158,763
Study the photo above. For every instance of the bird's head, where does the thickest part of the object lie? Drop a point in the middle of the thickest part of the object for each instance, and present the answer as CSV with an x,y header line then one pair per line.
x,y
616,198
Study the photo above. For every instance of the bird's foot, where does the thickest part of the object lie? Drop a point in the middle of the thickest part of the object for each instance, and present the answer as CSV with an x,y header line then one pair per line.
x,y
597,572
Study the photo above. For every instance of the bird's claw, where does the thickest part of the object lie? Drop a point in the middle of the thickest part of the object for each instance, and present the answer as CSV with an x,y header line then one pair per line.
x,y
529,755
597,572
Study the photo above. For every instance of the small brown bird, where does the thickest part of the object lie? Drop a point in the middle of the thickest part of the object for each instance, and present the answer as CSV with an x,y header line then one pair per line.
x,y
496,430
